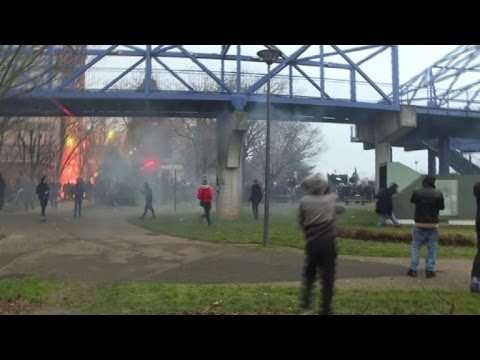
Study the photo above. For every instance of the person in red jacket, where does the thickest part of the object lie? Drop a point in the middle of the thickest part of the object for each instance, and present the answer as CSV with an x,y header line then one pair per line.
x,y
205,195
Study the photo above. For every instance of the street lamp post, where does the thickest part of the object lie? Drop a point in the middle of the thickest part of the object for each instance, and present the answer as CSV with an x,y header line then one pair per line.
x,y
269,56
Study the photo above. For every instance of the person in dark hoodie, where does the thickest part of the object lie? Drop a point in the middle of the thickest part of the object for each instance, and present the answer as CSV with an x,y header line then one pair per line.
x,y
78,193
384,206
205,195
475,275
428,203
147,192
316,217
43,192
255,197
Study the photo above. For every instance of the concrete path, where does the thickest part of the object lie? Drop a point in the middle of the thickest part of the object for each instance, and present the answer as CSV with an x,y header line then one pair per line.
x,y
103,247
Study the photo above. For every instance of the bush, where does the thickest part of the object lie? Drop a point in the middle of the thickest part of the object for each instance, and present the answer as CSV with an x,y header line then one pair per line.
x,y
366,234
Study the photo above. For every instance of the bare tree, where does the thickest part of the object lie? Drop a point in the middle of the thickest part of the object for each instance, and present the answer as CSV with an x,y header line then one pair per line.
x,y
24,68
103,134
7,124
254,138
197,138
295,144
72,134
34,146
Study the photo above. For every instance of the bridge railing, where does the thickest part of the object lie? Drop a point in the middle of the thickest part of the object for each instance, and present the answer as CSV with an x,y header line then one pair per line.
x,y
99,79
103,79
444,100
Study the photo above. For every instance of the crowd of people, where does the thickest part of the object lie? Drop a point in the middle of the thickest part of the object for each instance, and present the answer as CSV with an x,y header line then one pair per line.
x,y
26,190
316,217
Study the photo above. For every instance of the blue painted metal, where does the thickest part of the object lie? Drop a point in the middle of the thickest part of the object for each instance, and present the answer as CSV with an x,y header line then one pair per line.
x,y
239,69
84,68
395,76
125,72
362,73
353,89
355,49
283,64
175,75
444,156
204,68
449,89
160,49
290,81
219,67
433,92
239,102
379,51
148,69
322,72
225,49
448,83
465,145
311,81
137,49
222,71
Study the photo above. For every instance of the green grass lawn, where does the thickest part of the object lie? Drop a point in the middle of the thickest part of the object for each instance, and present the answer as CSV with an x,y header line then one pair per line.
x,y
284,232
29,289
158,298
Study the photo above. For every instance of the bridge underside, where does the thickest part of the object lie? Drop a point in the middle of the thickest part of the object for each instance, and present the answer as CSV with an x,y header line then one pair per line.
x,y
186,108
445,137
433,127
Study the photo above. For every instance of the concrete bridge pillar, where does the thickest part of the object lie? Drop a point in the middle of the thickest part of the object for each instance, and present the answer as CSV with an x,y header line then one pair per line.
x,y
388,127
383,156
432,163
231,129
444,155
382,131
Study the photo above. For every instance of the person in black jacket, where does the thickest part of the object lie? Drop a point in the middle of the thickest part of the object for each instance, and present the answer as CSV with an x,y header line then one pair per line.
x,y
148,200
428,203
43,192
255,197
475,278
78,192
384,206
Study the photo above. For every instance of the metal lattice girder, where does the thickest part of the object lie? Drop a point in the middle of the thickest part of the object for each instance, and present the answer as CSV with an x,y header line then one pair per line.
x,y
313,74
453,82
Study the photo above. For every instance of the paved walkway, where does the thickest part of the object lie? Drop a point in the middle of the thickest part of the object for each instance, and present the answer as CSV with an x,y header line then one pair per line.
x,y
102,246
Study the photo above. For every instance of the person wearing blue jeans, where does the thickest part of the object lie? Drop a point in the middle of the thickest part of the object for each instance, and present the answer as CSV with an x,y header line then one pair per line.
x,y
420,237
428,203
382,219
384,206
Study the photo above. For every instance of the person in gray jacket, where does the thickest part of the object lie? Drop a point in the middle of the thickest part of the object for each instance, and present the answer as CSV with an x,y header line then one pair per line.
x,y
316,217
